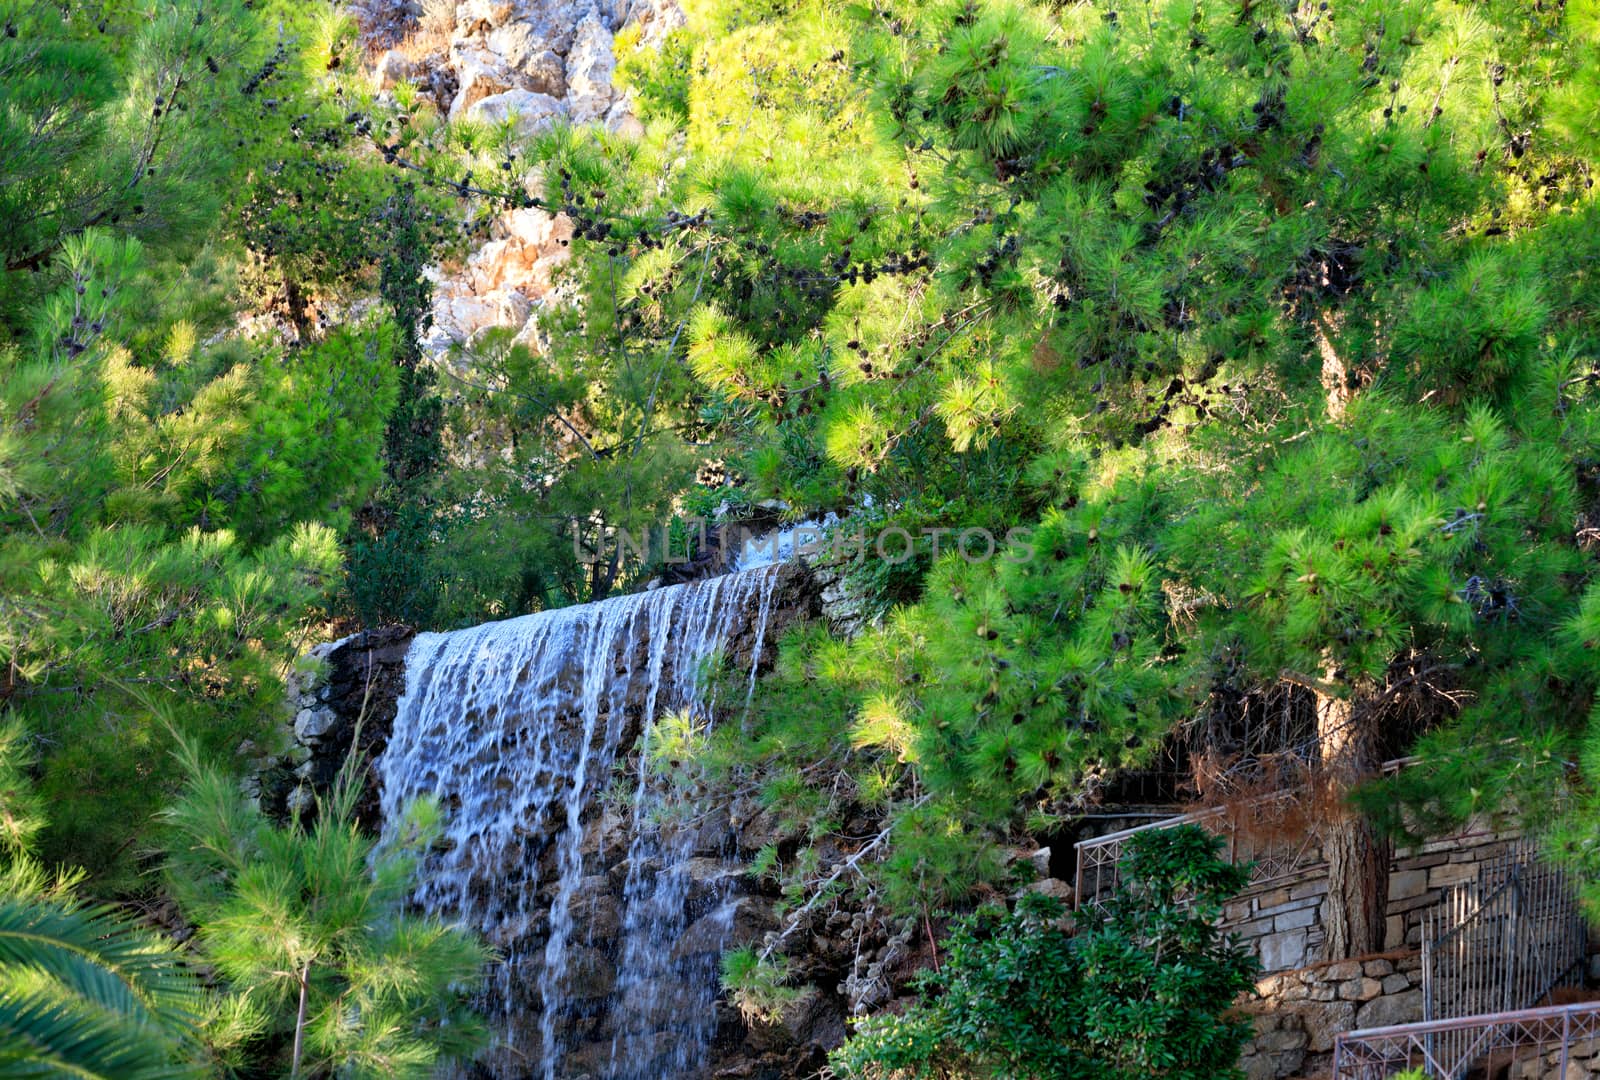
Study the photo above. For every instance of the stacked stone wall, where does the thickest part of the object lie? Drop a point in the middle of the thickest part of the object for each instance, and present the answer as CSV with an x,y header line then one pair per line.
x,y
1303,999
1298,1013
1282,920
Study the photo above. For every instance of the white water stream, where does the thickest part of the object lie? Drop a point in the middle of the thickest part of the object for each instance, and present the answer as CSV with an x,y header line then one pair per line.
x,y
515,727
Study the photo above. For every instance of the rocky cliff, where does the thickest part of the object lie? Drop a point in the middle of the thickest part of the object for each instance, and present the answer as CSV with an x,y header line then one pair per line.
x,y
532,862
571,936
531,61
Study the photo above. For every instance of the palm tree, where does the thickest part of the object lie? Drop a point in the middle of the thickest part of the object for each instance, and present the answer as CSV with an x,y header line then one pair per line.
x,y
85,992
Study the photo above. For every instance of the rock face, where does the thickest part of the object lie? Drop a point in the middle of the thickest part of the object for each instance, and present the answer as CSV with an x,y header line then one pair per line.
x,y
341,695
530,110
610,904
538,63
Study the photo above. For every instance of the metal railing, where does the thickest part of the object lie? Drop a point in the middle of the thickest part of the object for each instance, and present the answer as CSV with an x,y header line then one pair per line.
x,y
1446,1049
1273,859
1499,943
1276,857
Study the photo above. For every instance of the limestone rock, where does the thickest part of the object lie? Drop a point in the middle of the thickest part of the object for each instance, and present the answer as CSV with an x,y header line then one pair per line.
x,y
479,75
458,318
589,975
522,49
598,912
740,920
1281,952
655,18
1342,970
620,120
533,111
478,16
393,67
816,1021
359,675
712,878
1053,887
590,66
1362,989
300,800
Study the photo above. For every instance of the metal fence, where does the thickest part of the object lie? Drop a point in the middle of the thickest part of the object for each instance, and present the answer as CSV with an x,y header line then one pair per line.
x,y
1277,853
1498,944
1551,1038
1274,858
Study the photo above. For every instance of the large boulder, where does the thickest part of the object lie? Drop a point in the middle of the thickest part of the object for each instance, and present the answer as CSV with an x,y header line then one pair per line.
x,y
480,74
524,49
532,111
482,16
393,67
737,922
524,258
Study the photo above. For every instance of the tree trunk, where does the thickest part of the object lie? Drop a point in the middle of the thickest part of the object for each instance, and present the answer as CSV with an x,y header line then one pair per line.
x,y
300,1020
1335,374
1358,858
298,308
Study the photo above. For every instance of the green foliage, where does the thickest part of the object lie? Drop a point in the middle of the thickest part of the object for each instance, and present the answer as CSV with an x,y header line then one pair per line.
x,y
1142,993
85,992
756,987
117,118
1266,334
166,525
21,810
658,76
308,926
1275,333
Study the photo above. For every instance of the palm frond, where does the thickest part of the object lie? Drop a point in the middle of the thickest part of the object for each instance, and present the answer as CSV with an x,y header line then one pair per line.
x,y
98,955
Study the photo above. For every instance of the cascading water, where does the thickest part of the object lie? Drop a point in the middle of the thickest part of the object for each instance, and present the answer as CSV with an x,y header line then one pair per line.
x,y
515,726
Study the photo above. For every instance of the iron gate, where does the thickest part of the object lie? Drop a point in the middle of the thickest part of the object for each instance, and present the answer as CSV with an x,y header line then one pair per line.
x,y
1496,945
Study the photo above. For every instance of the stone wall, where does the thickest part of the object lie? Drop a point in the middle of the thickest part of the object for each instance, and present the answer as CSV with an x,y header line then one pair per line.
x,y
1304,1000
1298,1013
1282,920
1418,877
339,692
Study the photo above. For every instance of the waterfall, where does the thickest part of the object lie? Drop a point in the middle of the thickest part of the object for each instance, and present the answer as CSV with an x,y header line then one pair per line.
x,y
518,728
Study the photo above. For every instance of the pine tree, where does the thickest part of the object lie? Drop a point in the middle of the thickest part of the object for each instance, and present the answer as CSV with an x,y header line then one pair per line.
x,y
166,524
308,926
116,119
1189,288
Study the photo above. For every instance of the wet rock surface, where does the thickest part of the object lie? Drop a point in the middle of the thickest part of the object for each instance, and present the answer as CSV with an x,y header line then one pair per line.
x,y
342,695
619,988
